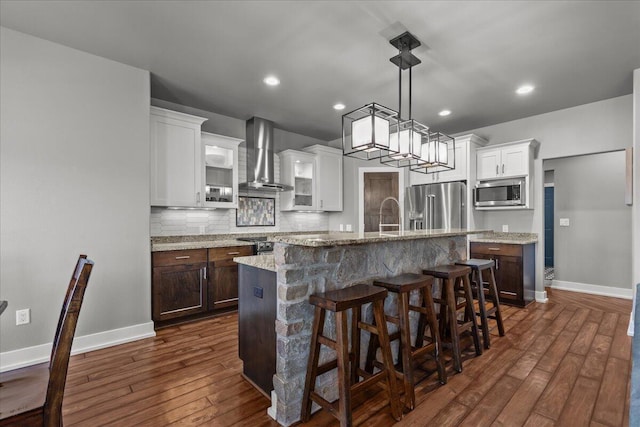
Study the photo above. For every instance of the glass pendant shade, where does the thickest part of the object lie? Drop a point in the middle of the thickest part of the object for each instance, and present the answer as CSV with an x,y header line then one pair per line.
x,y
366,131
405,143
436,154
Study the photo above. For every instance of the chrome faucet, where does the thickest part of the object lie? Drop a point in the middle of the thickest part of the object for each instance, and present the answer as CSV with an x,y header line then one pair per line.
x,y
399,224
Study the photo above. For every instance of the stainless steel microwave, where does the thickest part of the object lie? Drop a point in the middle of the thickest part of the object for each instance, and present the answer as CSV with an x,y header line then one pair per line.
x,y
507,192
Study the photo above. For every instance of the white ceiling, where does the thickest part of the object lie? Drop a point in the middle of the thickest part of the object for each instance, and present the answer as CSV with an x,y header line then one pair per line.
x,y
214,55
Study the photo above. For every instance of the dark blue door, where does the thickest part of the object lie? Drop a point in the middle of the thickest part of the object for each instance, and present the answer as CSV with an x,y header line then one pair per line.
x,y
548,226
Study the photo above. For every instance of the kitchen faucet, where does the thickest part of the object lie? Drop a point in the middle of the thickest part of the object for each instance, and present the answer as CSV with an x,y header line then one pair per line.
x,y
399,224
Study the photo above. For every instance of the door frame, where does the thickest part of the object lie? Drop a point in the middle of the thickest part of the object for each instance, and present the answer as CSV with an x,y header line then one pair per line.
x,y
361,171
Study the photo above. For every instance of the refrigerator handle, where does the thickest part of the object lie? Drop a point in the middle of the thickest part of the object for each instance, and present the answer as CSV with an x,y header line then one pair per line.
x,y
431,210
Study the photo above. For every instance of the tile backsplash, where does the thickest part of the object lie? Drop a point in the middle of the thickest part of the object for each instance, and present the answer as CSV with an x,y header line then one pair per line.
x,y
169,222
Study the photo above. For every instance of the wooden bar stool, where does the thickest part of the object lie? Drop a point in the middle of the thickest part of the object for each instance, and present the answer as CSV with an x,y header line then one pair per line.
x,y
347,362
455,285
402,285
482,288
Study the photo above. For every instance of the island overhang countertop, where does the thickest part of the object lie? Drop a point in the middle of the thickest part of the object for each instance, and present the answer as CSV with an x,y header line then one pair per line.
x,y
341,238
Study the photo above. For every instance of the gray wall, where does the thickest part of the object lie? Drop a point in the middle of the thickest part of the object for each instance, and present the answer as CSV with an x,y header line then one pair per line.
x,y
74,144
589,191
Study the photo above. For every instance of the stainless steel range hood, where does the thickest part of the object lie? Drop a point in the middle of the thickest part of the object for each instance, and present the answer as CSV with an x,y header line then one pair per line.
x,y
260,161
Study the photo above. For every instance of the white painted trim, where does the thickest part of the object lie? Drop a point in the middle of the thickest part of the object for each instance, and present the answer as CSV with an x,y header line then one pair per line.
x,y
28,356
549,184
542,297
607,291
361,172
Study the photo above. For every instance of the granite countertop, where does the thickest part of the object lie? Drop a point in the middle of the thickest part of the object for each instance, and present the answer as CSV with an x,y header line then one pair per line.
x,y
508,238
201,244
198,241
338,238
265,262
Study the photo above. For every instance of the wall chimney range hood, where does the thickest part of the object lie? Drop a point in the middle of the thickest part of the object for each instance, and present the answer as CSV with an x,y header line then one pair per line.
x,y
260,161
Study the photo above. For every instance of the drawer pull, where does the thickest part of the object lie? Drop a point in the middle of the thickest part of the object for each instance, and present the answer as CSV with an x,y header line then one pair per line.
x,y
233,253
183,257
509,293
494,249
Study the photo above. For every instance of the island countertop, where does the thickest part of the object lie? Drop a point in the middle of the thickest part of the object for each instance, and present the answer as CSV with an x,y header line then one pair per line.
x,y
506,238
265,262
340,238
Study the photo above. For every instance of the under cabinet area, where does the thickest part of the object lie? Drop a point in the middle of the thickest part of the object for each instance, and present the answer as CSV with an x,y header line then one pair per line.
x,y
179,286
194,283
514,270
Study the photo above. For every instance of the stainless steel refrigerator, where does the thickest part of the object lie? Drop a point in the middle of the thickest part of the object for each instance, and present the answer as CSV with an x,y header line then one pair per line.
x,y
436,206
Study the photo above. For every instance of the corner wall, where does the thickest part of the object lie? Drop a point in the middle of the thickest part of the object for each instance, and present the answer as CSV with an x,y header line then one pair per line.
x,y
74,144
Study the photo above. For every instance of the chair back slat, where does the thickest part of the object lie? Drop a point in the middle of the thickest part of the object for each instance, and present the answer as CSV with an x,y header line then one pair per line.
x,y
63,341
74,277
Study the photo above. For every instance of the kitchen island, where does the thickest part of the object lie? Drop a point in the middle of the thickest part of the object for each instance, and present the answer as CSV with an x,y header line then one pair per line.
x,y
313,263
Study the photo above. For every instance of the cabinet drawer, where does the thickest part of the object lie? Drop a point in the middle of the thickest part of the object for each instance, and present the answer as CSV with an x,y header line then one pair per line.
x,y
191,256
496,249
228,253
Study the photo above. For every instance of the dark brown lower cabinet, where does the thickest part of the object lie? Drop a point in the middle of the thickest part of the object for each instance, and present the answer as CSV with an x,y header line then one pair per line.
x,y
179,286
256,326
223,280
190,284
514,269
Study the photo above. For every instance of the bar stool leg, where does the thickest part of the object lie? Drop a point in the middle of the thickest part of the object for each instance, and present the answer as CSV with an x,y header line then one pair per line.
x,y
383,337
452,318
342,351
493,291
484,321
355,344
312,367
471,312
433,325
405,349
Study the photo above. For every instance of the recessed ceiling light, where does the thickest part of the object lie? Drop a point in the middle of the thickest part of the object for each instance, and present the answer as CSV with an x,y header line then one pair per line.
x,y
272,80
338,106
524,89
444,113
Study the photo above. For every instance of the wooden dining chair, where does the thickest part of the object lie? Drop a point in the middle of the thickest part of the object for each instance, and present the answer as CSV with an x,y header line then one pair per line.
x,y
32,396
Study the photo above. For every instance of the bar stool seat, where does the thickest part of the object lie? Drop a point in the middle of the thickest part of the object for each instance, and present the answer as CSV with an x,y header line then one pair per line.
x,y
347,360
455,285
403,285
485,288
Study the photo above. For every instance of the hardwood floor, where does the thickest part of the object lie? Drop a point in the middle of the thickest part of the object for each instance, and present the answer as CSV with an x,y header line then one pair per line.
x,y
565,363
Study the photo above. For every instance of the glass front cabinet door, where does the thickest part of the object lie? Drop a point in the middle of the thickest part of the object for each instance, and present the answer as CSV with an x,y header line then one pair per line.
x,y
220,170
298,170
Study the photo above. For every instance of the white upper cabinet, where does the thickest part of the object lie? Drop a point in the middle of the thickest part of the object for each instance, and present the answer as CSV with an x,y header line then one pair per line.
x,y
328,182
298,170
465,148
509,160
219,167
175,159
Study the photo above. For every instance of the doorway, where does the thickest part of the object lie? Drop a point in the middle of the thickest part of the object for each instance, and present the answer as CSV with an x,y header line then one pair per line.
x,y
375,185
549,209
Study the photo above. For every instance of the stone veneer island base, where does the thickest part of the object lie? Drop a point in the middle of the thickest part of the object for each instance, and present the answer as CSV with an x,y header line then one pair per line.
x,y
317,263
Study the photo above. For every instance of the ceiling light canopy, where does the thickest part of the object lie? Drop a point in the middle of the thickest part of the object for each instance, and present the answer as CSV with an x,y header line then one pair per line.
x,y
271,81
525,89
377,132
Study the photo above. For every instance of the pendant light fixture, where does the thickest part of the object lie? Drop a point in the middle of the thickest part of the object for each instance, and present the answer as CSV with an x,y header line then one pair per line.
x,y
377,132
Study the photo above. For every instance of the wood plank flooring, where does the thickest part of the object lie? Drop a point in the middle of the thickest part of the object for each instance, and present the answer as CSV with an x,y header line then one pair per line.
x,y
565,363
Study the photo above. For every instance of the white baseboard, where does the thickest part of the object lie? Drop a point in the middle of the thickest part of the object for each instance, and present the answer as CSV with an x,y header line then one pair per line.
x,y
28,356
541,296
606,291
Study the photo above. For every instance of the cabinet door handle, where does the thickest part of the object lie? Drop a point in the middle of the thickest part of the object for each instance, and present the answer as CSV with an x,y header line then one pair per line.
x,y
321,203
198,197
496,169
204,273
503,168
497,264
233,253
183,257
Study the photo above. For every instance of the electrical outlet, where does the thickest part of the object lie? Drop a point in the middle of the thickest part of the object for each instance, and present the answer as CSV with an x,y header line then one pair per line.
x,y
23,317
505,228
341,227
349,227
564,222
